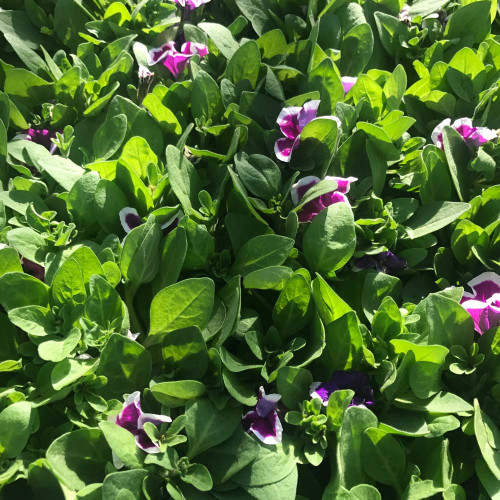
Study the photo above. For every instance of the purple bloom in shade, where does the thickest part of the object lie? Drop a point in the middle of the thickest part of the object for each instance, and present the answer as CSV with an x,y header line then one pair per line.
x,y
40,136
484,304
263,421
348,82
191,4
174,60
133,419
473,136
385,262
313,207
404,15
129,219
356,381
34,269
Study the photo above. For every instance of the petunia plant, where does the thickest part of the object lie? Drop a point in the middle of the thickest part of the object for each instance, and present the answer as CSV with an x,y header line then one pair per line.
x,y
249,249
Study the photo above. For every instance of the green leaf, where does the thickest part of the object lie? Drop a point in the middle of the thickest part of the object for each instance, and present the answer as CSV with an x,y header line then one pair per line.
x,y
67,284
329,305
268,278
434,216
244,64
293,385
259,174
126,365
122,442
185,304
488,439
178,392
457,156
356,49
260,252
207,427
68,371
222,38
183,178
383,458
199,477
124,485
59,348
19,289
16,423
206,100
184,350
470,20
330,240
79,458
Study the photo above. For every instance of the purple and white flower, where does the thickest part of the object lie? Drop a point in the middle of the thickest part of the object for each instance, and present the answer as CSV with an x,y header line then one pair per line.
x,y
174,60
33,269
292,121
263,421
130,219
313,207
385,262
473,136
133,419
340,380
191,4
40,136
484,303
348,82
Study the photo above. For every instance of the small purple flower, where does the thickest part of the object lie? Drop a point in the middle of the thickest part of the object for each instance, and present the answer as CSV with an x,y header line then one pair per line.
x,y
291,122
174,60
356,381
263,421
34,269
40,136
385,262
130,219
313,207
348,82
484,304
191,4
133,419
473,136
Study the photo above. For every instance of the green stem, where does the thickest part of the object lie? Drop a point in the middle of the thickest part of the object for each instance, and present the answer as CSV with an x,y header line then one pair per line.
x,y
130,291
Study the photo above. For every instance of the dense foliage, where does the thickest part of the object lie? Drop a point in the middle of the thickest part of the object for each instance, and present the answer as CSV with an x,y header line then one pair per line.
x,y
249,249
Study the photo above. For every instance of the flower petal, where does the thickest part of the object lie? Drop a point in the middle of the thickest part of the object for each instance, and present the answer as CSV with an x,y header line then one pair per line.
x,y
307,113
437,133
288,121
283,148
348,82
153,418
266,403
485,316
158,54
129,219
464,127
191,48
144,443
343,184
485,285
300,188
129,416
481,135
269,429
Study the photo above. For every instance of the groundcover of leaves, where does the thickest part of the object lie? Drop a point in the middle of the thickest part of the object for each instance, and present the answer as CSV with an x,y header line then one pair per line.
x,y
249,249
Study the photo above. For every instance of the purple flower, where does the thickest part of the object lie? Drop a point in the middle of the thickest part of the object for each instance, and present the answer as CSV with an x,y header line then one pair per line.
x,y
34,269
191,4
263,421
130,219
385,262
348,82
313,207
473,136
40,136
484,304
356,381
292,121
174,60
133,419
